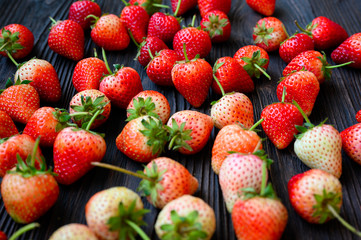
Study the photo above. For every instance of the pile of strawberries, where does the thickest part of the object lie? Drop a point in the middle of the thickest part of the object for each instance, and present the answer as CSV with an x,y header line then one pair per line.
x,y
29,189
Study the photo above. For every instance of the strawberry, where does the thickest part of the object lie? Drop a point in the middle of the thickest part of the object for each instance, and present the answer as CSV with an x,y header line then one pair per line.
x,y
150,103
74,150
205,6
46,122
180,7
7,126
16,40
264,7
232,108
231,76
189,131
73,231
301,86
279,122
314,62
142,139
349,50
43,78
149,47
89,102
163,26
234,138
269,33
253,59
19,101
358,116
3,236
79,10
20,145
351,142
110,33
319,146
217,24
28,193
136,20
325,32
113,212
88,73
151,6
159,69
186,217
66,38
294,45
192,79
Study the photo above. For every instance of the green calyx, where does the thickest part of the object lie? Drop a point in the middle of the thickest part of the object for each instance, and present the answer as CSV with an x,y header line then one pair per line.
x,y
156,133
8,42
327,68
63,118
214,26
142,108
127,221
321,207
254,66
178,136
183,228
264,157
153,6
262,33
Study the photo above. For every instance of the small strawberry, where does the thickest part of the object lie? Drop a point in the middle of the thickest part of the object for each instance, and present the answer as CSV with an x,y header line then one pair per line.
x,y
16,40
186,217
254,60
3,236
205,6
358,116
27,192
148,48
264,7
269,33
180,7
301,86
349,50
351,142
79,10
109,32
319,146
294,45
159,69
217,24
66,38
189,131
19,101
192,78
7,126
234,138
113,212
163,26
151,6
150,103
73,231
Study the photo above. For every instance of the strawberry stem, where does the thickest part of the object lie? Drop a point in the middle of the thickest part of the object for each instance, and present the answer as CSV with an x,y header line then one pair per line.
x,y
339,65
106,61
24,229
35,149
284,29
283,94
150,53
125,3
137,229
264,178
302,29
93,119
3,46
193,20
12,59
256,124
133,39
219,85
301,111
95,53
262,71
52,20
342,221
185,52
160,5
178,7
92,16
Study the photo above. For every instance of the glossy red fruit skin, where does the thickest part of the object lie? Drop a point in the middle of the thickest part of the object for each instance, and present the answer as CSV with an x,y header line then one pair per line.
x,y
264,7
226,30
154,44
7,126
349,50
358,116
185,6
136,19
163,26
26,39
351,142
206,6
79,10
295,45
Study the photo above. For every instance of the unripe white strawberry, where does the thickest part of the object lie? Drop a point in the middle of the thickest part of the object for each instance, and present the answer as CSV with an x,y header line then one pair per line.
x,y
73,231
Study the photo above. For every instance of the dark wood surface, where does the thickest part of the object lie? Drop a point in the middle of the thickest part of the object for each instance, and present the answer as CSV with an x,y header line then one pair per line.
x,y
339,100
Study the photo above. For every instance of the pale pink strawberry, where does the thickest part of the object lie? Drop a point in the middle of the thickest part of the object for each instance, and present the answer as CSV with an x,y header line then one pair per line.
x,y
73,231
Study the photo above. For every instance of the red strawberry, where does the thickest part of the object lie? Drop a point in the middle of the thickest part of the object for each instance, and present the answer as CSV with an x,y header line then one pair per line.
x,y
294,45
16,40
151,6
217,24
358,116
79,10
196,40
232,108
159,69
349,50
3,236
19,101
73,231
148,48
325,33
269,33
163,26
264,7
88,73
150,103
189,131
301,86
66,38
29,193
253,59
74,150
231,76
179,7
351,142
136,20
205,6
7,126
21,145
43,78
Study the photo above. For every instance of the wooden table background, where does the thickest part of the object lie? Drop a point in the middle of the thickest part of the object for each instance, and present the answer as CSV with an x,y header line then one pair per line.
x,y
339,100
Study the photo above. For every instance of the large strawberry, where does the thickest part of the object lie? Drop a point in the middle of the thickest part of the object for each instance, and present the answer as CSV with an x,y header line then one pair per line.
x,y
16,40
27,192
264,7
186,217
148,48
66,38
217,24
349,50
205,6
73,231
294,45
79,11
163,26
7,126
351,142
179,7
